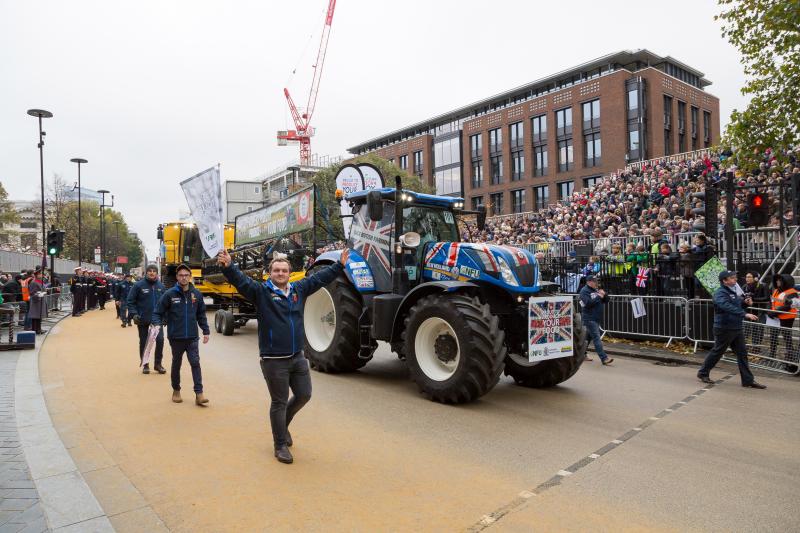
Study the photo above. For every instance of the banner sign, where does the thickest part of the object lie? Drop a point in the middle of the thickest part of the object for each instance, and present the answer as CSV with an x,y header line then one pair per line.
x,y
708,274
348,179
291,215
550,328
122,259
204,195
372,177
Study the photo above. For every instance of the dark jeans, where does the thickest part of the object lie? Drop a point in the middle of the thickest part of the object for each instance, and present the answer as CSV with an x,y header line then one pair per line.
x,y
191,347
722,339
787,338
593,329
281,375
159,355
124,314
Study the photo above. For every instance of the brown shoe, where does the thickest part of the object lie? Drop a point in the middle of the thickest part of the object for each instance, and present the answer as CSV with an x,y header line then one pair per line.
x,y
176,396
200,400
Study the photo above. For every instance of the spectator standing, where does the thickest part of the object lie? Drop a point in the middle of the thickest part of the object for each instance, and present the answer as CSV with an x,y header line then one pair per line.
x,y
122,300
591,300
37,310
783,292
182,309
729,311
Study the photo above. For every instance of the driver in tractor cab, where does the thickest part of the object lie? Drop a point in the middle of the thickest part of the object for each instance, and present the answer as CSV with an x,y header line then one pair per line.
x,y
281,337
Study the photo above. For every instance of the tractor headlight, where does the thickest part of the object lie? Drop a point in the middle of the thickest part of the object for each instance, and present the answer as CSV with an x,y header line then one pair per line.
x,y
506,273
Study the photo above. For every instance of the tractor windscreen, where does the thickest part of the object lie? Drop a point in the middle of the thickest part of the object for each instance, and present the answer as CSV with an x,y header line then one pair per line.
x,y
433,225
192,253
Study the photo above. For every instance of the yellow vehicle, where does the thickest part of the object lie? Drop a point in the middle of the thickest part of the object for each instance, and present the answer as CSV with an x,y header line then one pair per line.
x,y
180,243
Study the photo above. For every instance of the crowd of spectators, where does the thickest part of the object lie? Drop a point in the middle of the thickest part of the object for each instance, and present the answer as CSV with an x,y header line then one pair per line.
x,y
657,198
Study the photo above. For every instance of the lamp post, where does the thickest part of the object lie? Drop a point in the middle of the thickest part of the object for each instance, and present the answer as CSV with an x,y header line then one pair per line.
x,y
79,160
103,205
40,114
116,240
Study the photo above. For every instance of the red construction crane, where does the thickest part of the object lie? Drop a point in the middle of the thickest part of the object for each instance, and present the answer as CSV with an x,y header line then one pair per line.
x,y
302,121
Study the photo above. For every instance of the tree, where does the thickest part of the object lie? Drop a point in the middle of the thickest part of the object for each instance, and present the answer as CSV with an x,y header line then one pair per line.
x,y
327,211
8,215
767,34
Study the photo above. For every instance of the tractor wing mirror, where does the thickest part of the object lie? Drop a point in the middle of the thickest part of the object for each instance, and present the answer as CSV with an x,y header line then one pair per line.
x,y
160,234
481,217
374,206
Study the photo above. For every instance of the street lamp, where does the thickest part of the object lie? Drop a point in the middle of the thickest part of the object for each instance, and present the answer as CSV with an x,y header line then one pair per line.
x,y
116,240
40,114
80,248
103,205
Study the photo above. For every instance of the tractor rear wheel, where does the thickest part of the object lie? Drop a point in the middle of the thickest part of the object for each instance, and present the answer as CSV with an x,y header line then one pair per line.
x,y
330,321
552,371
218,320
454,347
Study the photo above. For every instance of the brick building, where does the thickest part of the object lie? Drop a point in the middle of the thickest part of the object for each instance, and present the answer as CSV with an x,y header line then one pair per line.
x,y
533,145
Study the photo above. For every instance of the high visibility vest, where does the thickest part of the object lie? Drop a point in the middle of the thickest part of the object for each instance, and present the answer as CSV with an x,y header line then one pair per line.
x,y
779,299
26,295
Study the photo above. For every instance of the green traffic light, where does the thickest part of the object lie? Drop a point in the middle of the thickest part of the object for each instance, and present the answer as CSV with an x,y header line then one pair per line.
x,y
53,251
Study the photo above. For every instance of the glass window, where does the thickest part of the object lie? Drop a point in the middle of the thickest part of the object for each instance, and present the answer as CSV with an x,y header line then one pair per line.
x,y
633,140
432,224
541,197
540,160
591,114
518,201
495,140
707,126
633,99
496,204
497,169
477,174
667,111
517,165
565,161
515,134
694,121
667,142
448,181
476,145
539,128
446,152
477,201
403,162
564,121
592,150
591,181
681,116
565,189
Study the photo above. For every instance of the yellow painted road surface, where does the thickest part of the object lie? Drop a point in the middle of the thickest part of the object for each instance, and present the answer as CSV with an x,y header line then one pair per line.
x,y
372,455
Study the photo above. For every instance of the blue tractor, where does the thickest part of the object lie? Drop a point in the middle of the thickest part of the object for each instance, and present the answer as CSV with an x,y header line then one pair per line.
x,y
459,314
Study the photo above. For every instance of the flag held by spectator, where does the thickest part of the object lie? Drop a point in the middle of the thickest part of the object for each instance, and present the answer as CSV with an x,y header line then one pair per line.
x,y
641,277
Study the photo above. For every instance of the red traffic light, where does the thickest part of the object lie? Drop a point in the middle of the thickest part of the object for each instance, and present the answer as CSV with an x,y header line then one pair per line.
x,y
758,200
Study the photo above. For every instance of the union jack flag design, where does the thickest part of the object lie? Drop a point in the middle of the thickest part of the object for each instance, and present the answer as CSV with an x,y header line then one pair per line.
x,y
373,241
641,277
550,322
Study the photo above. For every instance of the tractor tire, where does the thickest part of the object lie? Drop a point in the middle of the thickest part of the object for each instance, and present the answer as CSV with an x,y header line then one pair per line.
x,y
333,348
218,320
553,371
227,322
454,347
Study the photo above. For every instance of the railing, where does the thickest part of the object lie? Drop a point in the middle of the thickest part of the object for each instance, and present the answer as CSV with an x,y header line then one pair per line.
x,y
675,158
665,317
789,249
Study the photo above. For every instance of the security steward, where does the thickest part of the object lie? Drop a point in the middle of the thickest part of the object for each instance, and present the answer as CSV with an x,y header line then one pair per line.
x,y
592,299
143,299
729,310
122,300
182,309
76,289
279,309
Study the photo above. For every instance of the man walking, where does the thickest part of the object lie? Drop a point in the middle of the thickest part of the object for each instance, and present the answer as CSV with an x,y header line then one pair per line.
x,y
182,309
591,301
143,299
122,300
729,310
279,307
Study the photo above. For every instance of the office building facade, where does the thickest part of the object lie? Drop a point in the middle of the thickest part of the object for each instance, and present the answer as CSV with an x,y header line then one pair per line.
x,y
531,146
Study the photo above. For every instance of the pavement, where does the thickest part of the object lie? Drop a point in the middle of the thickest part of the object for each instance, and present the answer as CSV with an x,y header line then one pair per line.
x,y
633,446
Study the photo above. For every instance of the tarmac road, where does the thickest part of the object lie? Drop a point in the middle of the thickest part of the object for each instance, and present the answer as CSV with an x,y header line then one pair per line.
x,y
372,455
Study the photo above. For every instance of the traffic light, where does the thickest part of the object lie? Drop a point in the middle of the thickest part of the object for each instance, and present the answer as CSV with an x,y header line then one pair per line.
x,y
757,209
55,241
709,211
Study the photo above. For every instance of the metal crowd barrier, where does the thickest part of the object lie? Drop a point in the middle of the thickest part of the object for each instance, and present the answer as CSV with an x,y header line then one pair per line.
x,y
664,317
772,348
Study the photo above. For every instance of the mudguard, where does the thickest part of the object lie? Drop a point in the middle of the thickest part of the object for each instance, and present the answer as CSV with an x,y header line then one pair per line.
x,y
424,289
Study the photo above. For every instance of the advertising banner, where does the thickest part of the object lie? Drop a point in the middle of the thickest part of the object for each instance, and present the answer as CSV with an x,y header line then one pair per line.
x,y
708,274
348,179
372,177
550,328
293,214
204,195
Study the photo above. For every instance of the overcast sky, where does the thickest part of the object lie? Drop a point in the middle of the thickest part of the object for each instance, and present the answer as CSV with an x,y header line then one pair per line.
x,y
152,92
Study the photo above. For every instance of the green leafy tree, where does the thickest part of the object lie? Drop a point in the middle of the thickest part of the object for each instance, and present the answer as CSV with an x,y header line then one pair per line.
x,y
8,215
767,34
327,207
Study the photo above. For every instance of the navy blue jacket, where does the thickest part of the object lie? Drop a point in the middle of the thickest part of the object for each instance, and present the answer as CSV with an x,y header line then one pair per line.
x,y
121,291
729,309
143,299
591,304
181,311
280,319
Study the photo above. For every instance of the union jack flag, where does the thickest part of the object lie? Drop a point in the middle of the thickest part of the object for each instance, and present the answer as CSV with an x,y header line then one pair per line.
x,y
367,237
641,277
550,322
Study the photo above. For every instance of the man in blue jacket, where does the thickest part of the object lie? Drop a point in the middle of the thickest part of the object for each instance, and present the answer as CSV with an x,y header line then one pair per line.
x,y
279,308
729,311
143,299
121,297
591,300
182,309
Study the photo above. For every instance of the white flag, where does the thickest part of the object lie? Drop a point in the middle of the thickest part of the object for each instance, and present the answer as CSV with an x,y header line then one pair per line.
x,y
204,195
